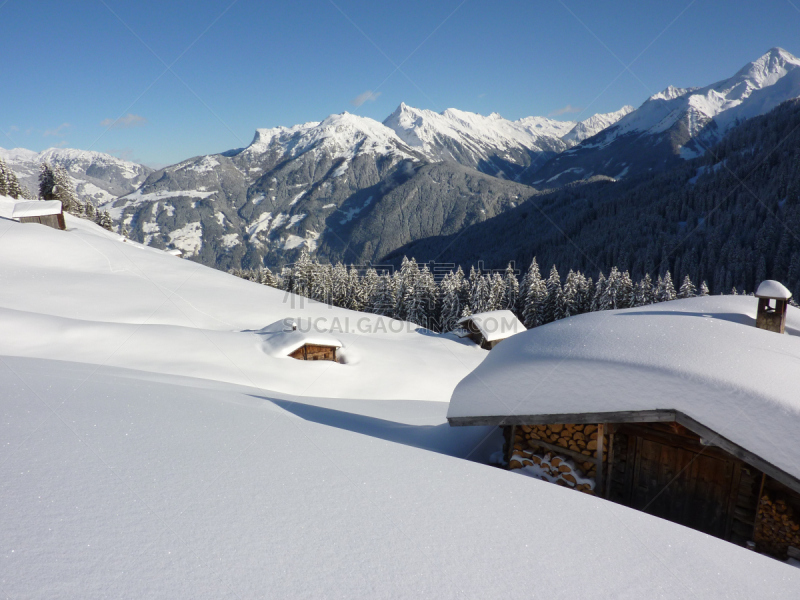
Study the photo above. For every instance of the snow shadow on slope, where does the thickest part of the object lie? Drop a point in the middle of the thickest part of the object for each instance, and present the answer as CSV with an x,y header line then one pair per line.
x,y
473,443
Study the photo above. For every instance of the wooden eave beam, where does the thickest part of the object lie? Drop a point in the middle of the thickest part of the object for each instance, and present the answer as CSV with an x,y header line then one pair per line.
x,y
638,416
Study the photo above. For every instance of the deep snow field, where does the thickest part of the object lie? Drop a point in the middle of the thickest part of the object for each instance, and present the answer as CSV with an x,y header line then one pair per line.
x,y
153,446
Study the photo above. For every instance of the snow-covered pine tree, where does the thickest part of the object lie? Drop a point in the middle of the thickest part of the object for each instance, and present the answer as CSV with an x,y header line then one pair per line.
x,y
571,294
366,288
497,292
25,193
626,293
534,293
644,293
405,279
665,289
450,301
480,296
384,299
3,178
354,300
46,182
9,184
599,293
340,295
511,295
320,282
104,220
423,299
553,309
586,289
267,277
687,289
610,297
703,289
89,210
302,276
64,190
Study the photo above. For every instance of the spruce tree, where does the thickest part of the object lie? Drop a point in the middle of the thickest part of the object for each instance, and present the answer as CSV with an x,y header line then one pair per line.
x,y
600,297
104,220
534,294
450,301
46,182
384,299
571,294
553,309
497,292
703,289
665,290
687,289
511,295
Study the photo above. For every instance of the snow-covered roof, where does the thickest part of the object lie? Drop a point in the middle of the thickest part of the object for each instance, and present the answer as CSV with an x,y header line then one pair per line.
x,y
11,208
702,357
287,335
495,325
773,289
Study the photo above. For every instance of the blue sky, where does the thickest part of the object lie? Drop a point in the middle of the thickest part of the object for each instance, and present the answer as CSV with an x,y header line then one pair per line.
x,y
93,74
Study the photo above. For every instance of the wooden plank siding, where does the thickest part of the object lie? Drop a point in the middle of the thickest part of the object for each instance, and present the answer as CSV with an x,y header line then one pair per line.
x,y
314,352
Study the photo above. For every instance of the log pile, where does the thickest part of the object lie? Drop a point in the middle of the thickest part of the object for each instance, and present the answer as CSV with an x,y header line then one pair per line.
x,y
547,463
777,526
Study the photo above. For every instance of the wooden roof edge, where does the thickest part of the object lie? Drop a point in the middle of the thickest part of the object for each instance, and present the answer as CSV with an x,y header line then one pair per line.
x,y
639,416
715,439
626,416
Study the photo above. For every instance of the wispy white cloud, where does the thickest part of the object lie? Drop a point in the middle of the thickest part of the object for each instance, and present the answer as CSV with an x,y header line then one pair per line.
x,y
13,128
368,96
57,131
129,120
564,110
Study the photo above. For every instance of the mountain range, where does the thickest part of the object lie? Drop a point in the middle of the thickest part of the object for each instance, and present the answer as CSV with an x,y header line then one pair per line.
x,y
98,177
353,189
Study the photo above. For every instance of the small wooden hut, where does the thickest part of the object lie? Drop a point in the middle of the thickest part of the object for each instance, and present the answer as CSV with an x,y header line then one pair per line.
x,y
301,340
45,212
683,411
487,329
315,352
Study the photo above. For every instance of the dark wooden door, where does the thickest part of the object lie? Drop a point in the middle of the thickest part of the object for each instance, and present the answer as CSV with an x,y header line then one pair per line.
x,y
683,486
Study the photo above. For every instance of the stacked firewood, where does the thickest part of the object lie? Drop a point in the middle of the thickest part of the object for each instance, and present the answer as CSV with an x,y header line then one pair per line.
x,y
777,526
563,469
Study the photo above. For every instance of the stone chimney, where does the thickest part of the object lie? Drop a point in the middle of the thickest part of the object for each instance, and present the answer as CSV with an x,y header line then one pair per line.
x,y
773,298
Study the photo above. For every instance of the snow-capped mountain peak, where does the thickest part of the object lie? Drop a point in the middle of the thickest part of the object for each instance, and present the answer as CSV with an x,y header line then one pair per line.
x,y
344,134
595,124
686,120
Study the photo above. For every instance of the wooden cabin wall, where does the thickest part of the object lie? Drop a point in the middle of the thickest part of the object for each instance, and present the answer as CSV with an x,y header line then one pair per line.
x,y
314,352
667,471
54,221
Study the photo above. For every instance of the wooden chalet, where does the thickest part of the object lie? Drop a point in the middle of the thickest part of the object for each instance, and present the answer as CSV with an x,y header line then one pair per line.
x,y
487,329
699,440
298,339
45,212
315,352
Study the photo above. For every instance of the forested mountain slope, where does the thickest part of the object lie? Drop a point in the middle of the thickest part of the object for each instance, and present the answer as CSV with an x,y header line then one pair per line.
x,y
731,218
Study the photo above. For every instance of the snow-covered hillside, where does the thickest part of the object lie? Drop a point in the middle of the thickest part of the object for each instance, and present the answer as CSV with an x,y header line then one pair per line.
x,y
138,307
146,452
98,177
